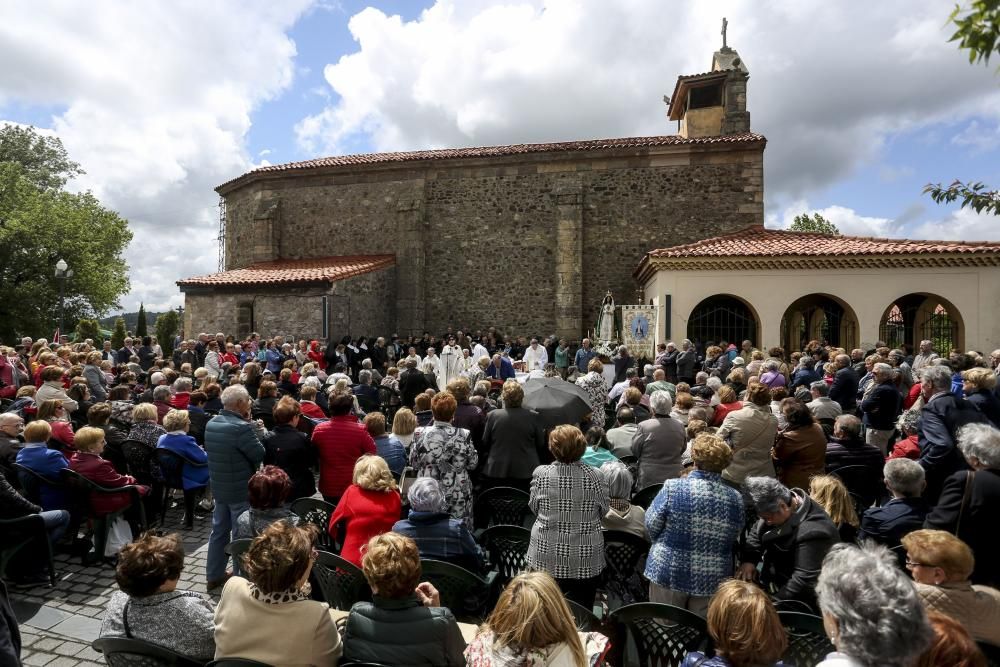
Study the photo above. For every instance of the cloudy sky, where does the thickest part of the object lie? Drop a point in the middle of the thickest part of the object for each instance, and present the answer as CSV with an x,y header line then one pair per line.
x,y
862,102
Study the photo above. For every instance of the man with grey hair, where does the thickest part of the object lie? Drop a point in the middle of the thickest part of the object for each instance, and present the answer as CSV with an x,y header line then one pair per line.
x,y
791,538
686,360
620,387
234,450
437,534
880,408
897,359
844,389
925,356
659,443
660,383
822,406
942,416
871,609
848,448
905,512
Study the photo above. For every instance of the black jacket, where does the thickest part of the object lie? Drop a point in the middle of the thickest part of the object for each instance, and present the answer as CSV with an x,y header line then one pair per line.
x,y
888,524
411,383
840,453
939,422
403,633
10,636
881,408
670,366
290,450
978,526
988,404
792,552
844,389
513,443
685,364
12,504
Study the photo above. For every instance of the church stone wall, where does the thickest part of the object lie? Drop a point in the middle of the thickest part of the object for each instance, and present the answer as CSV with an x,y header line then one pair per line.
x,y
529,244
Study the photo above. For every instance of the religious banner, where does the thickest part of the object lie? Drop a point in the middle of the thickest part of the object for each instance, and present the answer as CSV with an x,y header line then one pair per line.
x,y
638,330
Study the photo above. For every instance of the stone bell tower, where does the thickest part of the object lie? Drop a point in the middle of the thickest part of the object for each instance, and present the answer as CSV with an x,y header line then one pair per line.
x,y
713,103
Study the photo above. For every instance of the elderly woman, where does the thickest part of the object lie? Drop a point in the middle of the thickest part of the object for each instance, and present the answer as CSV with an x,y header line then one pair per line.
x,y
745,628
370,506
569,499
831,494
193,477
268,617
404,423
659,443
405,623
87,461
515,440
445,453
267,397
597,388
791,538
622,514
772,376
728,402
268,492
970,501
951,645
148,605
979,385
386,446
800,447
750,431
96,380
681,410
52,388
54,412
288,448
941,564
436,534
694,519
871,612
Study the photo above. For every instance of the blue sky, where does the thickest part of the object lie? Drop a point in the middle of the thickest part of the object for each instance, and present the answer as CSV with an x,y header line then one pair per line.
x,y
862,103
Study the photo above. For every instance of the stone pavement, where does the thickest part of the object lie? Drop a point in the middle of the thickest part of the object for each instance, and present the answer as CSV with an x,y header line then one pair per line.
x,y
59,623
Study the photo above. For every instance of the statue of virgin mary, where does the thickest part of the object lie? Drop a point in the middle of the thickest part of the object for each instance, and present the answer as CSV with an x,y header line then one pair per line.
x,y
606,320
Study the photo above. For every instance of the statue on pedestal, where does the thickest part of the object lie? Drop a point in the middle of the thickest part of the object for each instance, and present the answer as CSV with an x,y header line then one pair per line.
x,y
606,333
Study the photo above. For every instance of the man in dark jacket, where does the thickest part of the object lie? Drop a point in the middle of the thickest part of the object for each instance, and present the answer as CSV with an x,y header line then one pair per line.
x,y
904,513
232,442
14,506
412,382
880,408
942,416
513,442
846,448
290,449
792,537
844,389
686,360
668,361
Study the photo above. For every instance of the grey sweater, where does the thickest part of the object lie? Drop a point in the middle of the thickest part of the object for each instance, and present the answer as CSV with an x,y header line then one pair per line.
x,y
181,621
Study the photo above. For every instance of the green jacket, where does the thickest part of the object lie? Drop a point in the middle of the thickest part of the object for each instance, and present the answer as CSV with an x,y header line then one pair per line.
x,y
234,454
402,632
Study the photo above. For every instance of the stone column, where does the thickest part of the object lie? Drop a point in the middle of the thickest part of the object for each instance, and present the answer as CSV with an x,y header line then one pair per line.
x,y
569,259
411,265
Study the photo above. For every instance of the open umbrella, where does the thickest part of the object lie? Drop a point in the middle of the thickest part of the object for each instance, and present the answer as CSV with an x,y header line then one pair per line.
x,y
557,401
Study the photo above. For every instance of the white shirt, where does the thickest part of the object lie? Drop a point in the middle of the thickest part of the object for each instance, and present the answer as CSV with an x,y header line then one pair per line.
x,y
617,390
452,365
535,357
435,361
477,352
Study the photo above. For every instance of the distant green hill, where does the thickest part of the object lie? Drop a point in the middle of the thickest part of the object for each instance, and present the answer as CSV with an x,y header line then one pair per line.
x,y
131,321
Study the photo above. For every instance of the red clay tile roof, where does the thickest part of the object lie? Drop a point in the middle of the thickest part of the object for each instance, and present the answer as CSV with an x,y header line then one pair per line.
x,y
756,241
498,151
294,271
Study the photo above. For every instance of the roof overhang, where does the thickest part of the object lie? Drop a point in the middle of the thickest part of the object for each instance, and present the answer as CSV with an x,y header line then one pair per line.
x,y
683,87
284,273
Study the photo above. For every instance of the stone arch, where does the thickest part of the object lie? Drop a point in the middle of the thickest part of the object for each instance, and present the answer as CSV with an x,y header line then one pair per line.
x,y
917,316
723,317
822,317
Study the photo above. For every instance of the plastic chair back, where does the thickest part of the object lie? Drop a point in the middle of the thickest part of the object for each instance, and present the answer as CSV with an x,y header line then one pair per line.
x,y
341,582
807,640
318,512
661,634
644,498
501,506
463,592
992,653
508,549
123,652
237,548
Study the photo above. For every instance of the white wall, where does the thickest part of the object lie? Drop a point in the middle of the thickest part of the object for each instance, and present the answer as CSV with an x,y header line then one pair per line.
x,y
974,291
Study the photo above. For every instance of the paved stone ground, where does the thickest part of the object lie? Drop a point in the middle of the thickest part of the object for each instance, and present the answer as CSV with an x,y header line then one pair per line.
x,y
59,623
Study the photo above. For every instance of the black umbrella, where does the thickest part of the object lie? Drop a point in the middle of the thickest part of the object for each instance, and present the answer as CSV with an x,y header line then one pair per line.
x,y
557,401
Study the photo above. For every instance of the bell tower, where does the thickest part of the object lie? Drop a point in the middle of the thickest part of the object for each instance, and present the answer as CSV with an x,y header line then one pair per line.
x,y
714,103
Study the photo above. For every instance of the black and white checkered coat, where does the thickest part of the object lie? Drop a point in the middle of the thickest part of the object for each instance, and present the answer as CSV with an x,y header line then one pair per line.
x,y
569,501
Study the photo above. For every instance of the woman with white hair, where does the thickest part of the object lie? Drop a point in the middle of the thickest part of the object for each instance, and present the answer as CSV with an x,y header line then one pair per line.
x,y
791,538
970,501
436,533
871,611
659,443
622,514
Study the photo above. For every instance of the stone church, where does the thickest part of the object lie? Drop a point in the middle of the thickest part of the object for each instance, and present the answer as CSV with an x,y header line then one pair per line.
x,y
527,238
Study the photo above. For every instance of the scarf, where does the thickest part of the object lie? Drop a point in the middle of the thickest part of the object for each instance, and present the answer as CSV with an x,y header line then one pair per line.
x,y
281,597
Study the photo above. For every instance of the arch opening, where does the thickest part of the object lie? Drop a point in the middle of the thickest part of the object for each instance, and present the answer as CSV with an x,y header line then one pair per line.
x,y
819,317
723,317
922,316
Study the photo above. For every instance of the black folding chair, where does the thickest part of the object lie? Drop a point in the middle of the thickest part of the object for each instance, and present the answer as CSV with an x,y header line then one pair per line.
x,y
341,582
585,619
464,593
508,550
621,578
318,512
992,653
502,505
807,640
236,549
16,534
123,652
265,416
389,402
84,490
644,498
660,633
172,467
236,662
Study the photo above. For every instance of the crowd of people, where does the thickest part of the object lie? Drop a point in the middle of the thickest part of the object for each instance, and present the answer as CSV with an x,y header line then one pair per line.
x,y
854,484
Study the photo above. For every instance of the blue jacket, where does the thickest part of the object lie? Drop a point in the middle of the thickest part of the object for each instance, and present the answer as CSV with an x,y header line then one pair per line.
x,y
698,659
803,377
693,520
391,449
234,454
47,463
583,358
888,524
193,477
274,360
881,408
440,537
506,370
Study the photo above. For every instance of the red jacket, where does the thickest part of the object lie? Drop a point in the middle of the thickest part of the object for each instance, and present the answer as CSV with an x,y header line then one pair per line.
x,y
340,442
365,514
912,396
311,409
907,448
316,356
162,409
97,470
180,400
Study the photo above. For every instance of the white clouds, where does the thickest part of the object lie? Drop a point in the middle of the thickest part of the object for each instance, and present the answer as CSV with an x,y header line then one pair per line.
x,y
827,86
980,139
157,99
961,225
847,220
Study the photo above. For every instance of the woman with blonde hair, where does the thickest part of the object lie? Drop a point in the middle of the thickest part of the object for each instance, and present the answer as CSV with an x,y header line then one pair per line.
x,y
745,628
531,624
369,507
404,423
832,496
979,386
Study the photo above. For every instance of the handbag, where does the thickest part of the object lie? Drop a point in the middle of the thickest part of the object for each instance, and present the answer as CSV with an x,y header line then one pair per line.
x,y
966,496
119,534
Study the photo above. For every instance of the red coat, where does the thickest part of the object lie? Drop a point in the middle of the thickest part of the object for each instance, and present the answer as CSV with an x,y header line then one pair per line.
x,y
162,409
365,515
97,470
180,400
340,442
316,356
907,448
311,409
912,396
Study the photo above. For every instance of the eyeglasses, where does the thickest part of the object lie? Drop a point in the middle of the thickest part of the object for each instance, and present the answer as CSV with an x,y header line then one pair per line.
x,y
912,564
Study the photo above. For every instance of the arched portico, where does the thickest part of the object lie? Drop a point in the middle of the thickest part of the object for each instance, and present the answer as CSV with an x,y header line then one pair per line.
x,y
919,316
723,317
821,317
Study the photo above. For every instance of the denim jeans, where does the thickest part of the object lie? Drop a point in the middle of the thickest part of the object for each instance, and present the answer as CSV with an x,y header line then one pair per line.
x,y
223,519
56,522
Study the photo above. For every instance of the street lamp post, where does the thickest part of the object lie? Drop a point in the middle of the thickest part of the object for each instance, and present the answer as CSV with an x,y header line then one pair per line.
x,y
63,272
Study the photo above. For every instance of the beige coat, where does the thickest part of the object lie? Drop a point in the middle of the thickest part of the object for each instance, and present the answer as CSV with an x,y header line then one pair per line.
x,y
750,432
975,607
293,633
52,390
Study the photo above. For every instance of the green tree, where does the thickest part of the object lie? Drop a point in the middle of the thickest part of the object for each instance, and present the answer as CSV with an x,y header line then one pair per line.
x,y
40,223
166,329
119,334
141,327
88,328
977,30
814,223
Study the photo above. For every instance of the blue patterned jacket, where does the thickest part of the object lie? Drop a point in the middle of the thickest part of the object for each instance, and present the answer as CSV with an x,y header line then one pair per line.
x,y
693,524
